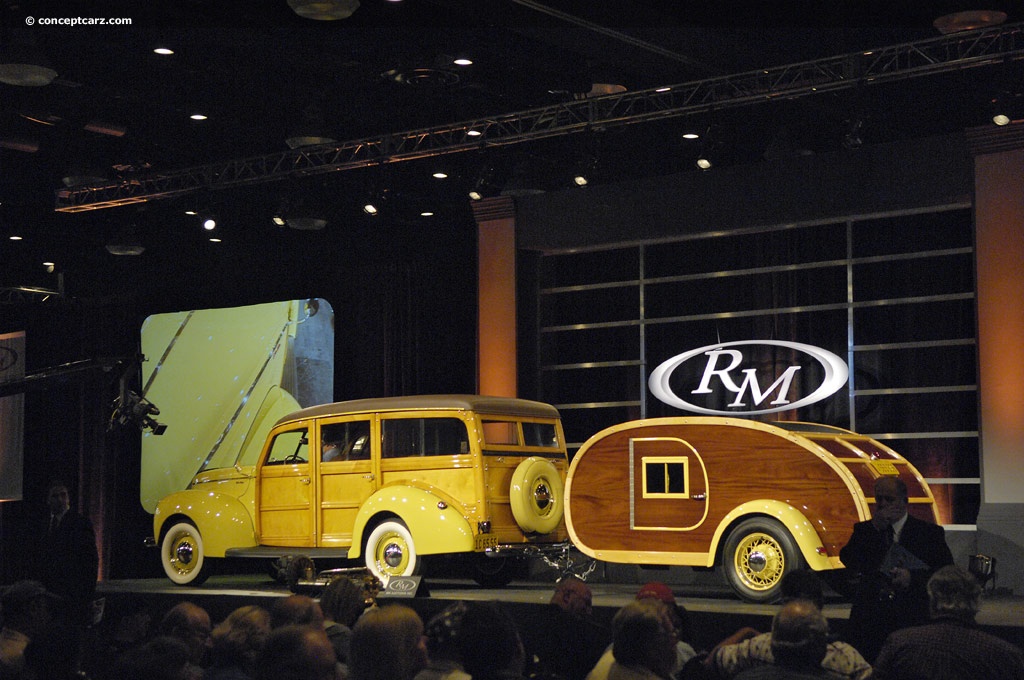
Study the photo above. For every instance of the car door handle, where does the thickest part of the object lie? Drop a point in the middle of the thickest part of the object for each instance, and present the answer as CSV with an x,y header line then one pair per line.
x,y
699,496
368,476
304,480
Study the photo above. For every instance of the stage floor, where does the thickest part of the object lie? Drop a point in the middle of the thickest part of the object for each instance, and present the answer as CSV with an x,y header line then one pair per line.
x,y
998,611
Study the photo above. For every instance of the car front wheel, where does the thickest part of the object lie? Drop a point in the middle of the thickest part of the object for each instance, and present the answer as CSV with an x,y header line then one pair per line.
x,y
181,554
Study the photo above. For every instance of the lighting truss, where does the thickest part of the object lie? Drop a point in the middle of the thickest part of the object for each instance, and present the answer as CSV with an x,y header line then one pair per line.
x,y
954,52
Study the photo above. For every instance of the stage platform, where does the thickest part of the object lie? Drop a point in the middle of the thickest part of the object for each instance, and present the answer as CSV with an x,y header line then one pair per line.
x,y
714,611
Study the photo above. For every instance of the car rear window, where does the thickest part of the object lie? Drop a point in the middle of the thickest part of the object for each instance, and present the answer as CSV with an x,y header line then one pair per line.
x,y
540,434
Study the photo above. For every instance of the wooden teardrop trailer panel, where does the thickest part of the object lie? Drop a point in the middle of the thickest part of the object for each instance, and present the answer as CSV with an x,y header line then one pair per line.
x,y
758,499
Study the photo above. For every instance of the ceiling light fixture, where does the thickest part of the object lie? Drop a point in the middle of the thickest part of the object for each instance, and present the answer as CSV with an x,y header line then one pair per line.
x,y
210,223
968,21
324,10
102,128
126,244
19,144
163,51
83,173
1001,119
370,208
483,183
23,65
197,116
311,129
440,175
307,222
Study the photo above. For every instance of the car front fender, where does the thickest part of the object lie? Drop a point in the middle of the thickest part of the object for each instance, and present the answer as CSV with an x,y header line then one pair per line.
x,y
223,521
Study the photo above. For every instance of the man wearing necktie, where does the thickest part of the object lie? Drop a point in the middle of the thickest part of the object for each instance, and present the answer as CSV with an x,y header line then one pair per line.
x,y
893,555
68,567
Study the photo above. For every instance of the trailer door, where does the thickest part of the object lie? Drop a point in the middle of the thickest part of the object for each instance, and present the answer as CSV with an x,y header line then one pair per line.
x,y
668,484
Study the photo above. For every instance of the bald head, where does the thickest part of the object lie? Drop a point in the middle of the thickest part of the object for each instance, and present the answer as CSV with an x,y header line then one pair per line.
x,y
799,635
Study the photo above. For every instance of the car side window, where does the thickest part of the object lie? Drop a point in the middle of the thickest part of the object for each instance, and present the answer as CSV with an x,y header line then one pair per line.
x,y
405,437
288,448
345,441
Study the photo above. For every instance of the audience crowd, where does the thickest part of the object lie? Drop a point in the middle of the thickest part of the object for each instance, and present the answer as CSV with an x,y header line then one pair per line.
x,y
346,635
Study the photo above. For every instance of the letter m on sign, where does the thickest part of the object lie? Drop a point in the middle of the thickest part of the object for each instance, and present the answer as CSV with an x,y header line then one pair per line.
x,y
782,384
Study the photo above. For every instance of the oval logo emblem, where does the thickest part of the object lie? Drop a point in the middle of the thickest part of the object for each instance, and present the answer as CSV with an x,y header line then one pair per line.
x,y
750,376
402,585
8,358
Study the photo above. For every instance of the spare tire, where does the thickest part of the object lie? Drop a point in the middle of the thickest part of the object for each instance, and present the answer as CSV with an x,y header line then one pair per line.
x,y
537,495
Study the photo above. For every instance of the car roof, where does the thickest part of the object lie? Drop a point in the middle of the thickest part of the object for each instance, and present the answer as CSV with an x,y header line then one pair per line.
x,y
501,406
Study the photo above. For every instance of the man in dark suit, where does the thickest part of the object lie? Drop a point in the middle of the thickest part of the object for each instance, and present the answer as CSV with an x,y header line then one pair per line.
x,y
68,566
894,555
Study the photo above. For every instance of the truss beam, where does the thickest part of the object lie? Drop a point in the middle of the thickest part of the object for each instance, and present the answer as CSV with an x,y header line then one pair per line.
x,y
934,56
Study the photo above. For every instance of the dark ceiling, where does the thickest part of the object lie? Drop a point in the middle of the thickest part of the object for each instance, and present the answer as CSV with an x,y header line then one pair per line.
x,y
256,69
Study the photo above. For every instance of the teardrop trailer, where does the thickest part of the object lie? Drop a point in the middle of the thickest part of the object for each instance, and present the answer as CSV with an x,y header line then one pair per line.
x,y
385,481
756,500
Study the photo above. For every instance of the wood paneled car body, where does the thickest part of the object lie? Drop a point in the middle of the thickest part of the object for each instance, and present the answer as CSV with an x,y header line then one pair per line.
x,y
755,499
382,480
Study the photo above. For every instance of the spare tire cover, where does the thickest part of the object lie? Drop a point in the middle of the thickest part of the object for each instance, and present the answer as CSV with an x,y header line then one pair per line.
x,y
537,495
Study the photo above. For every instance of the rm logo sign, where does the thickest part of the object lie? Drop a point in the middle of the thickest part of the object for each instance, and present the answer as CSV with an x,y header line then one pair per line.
x,y
726,369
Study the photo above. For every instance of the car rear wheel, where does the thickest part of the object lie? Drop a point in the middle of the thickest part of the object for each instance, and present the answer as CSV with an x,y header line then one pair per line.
x,y
758,553
390,551
181,554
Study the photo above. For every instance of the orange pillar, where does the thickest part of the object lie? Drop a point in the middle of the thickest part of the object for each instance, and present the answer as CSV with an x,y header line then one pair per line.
x,y
999,249
496,296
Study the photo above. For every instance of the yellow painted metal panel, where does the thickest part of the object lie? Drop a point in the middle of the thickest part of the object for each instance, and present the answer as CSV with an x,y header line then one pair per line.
x,y
220,378
223,520
435,529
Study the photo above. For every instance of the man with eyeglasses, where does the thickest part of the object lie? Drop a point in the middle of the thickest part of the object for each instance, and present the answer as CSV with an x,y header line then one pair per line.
x,y
892,555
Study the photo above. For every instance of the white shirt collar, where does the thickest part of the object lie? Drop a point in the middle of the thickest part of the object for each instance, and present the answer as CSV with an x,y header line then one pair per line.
x,y
897,528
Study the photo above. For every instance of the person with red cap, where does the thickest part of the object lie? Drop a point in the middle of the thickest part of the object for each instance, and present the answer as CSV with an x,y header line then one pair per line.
x,y
566,640
680,618
677,614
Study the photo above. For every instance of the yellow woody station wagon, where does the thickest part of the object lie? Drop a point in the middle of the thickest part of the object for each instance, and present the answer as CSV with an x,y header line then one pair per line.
x,y
385,481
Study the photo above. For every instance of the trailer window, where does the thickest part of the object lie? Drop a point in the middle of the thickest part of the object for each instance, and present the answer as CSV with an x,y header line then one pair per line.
x,y
665,477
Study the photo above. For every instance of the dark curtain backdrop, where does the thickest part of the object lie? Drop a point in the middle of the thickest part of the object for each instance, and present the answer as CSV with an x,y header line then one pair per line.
x,y
405,305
